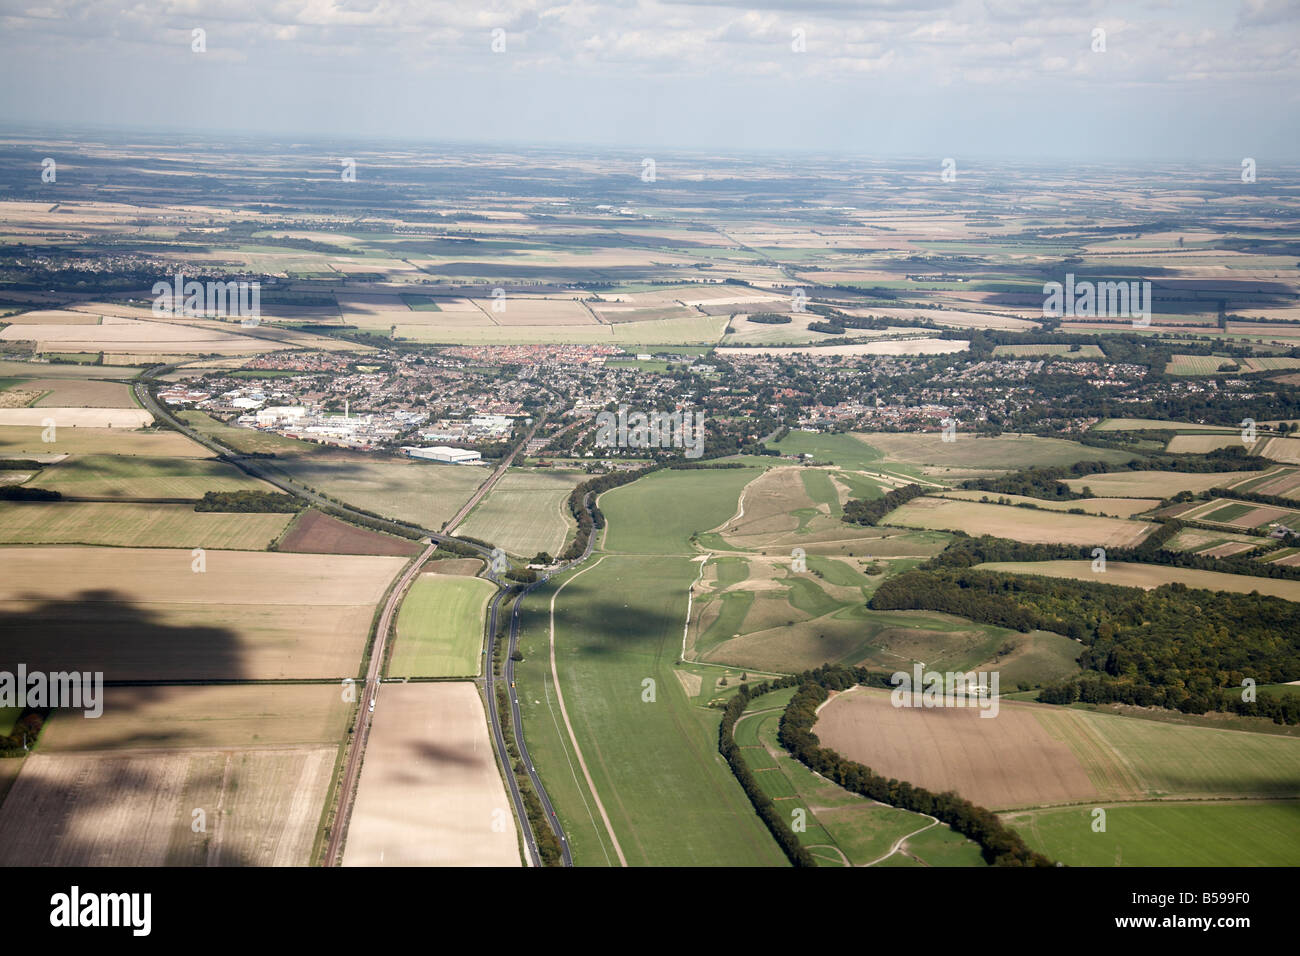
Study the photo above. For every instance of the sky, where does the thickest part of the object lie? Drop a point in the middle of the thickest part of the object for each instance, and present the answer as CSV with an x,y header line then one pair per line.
x,y
1160,80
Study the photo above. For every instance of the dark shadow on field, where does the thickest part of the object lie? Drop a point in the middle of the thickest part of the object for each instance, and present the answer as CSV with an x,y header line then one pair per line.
x,y
34,811
104,630
618,629
430,755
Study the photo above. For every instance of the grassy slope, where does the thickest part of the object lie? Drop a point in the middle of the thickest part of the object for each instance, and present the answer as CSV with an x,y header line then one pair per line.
x,y
670,796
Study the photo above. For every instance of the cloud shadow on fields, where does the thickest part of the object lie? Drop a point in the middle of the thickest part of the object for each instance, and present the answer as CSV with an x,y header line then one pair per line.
x,y
105,630
43,821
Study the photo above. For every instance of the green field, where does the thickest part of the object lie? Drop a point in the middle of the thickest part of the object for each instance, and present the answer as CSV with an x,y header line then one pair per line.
x,y
659,513
136,525
1169,834
844,450
670,797
440,627
112,476
526,511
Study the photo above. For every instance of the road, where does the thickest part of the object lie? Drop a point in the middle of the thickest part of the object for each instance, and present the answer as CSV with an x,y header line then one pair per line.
x,y
516,717
361,730
370,691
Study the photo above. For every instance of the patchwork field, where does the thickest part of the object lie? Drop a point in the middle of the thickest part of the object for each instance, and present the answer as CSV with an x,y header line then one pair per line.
x,y
526,511
111,418
1111,507
145,614
440,627
1242,514
135,525
1032,526
1151,576
202,717
430,791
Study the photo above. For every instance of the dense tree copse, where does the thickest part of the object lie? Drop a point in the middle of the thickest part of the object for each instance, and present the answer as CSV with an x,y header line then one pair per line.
x,y
869,512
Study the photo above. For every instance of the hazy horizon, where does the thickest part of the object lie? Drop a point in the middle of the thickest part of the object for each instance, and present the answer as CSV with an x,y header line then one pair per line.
x,y
1195,81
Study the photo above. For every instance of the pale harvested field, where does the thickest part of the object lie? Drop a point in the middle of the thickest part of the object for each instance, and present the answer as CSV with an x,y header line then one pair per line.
x,y
1020,524
1143,484
1114,507
83,393
144,614
24,441
57,317
205,717
1199,444
430,791
528,311
1286,450
261,807
917,346
1005,761
1151,575
77,417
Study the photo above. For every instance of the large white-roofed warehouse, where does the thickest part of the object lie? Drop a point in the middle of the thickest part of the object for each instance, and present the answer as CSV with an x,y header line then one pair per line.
x,y
444,453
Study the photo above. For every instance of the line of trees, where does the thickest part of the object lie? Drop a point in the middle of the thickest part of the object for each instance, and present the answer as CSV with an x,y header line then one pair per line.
x,y
590,518
763,806
249,502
